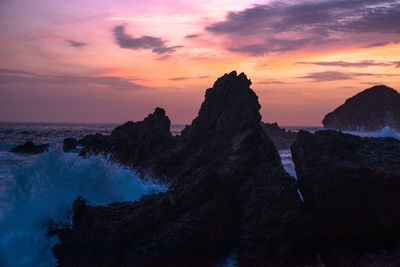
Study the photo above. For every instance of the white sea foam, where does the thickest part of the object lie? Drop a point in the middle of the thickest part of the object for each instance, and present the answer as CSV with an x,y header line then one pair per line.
x,y
389,132
45,189
385,132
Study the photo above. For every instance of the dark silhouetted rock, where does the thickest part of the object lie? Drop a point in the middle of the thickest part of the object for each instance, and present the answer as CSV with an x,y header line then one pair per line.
x,y
282,139
351,184
69,144
229,190
370,110
142,145
31,148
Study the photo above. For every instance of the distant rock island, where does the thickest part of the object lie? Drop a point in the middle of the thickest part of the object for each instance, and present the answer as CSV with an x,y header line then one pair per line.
x,y
370,110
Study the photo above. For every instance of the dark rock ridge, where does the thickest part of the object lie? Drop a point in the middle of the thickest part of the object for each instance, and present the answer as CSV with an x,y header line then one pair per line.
x,y
282,139
351,186
30,148
69,144
228,190
370,110
142,145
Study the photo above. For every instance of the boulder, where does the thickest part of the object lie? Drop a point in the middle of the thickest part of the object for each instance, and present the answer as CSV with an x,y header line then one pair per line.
x,y
69,144
30,148
370,110
280,136
350,184
228,191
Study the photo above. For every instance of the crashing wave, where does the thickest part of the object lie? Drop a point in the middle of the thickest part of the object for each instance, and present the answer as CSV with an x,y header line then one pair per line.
x,y
44,190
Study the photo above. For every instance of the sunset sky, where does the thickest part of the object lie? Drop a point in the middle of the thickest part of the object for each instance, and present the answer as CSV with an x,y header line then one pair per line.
x,y
113,61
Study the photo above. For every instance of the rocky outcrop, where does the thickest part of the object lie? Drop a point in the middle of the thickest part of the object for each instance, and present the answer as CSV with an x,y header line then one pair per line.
x,y
282,139
69,144
370,110
351,186
142,145
229,190
30,148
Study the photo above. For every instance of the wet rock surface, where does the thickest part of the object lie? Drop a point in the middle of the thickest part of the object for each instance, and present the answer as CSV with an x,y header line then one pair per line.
x,y
69,144
30,148
370,110
281,137
228,190
351,186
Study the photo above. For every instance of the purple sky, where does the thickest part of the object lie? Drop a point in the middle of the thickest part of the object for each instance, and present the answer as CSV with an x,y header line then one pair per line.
x,y
112,61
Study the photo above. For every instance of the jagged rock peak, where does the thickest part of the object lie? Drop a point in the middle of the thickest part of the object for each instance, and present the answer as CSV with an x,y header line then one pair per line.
x,y
229,106
157,119
159,116
224,80
160,112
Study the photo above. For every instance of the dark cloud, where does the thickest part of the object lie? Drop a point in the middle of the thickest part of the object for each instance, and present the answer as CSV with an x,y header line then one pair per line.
x,y
326,76
359,64
126,41
157,45
10,71
187,78
116,83
191,36
163,50
276,27
397,64
377,44
370,83
178,78
270,82
165,57
272,46
75,43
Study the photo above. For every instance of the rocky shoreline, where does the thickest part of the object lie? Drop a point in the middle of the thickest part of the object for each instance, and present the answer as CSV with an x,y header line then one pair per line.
x,y
228,190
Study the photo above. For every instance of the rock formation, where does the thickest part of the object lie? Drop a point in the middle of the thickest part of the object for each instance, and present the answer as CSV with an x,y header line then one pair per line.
x,y
228,190
282,139
69,144
142,145
30,148
351,186
370,110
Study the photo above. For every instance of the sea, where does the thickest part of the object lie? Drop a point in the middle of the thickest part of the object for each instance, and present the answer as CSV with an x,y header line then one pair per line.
x,y
36,190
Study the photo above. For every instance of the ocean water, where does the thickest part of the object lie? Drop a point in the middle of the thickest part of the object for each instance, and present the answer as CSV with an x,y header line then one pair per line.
x,y
38,189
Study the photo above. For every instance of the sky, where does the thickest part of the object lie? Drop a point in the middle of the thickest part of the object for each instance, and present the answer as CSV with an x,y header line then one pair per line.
x,y
116,60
